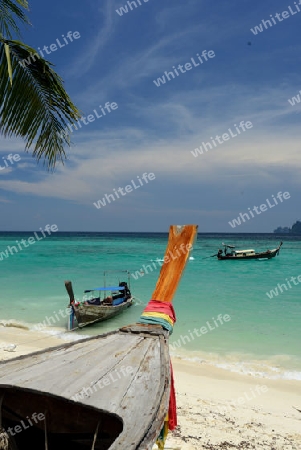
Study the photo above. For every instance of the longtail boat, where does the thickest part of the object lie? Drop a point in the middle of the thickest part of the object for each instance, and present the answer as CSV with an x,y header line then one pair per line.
x,y
109,392
237,255
99,303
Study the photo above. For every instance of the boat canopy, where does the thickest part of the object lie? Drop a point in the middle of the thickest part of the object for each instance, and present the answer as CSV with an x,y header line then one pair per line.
x,y
108,288
245,251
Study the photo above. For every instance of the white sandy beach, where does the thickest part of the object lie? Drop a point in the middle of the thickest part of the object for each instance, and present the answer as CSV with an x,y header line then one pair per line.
x,y
16,340
217,409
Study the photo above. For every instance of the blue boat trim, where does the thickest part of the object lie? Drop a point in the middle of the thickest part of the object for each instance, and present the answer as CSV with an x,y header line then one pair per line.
x,y
109,288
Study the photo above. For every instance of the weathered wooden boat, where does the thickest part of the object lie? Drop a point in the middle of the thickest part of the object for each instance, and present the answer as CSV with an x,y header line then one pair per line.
x,y
99,304
111,391
238,255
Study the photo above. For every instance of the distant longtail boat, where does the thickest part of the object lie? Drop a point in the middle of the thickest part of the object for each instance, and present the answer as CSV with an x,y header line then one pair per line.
x,y
237,255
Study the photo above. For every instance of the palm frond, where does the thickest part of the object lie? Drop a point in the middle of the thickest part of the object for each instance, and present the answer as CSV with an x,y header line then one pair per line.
x,y
36,107
10,13
9,68
23,3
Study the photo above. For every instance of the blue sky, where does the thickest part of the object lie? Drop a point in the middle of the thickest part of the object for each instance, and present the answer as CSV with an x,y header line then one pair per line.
x,y
154,129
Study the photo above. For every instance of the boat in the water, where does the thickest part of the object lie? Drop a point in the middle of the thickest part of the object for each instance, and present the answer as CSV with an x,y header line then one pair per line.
x,y
99,303
230,254
109,392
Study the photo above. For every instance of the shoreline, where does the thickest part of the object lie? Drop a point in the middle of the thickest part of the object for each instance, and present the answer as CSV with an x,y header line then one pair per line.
x,y
17,339
217,409
258,366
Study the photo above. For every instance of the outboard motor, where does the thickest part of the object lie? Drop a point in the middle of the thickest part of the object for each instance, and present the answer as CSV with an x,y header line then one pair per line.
x,y
127,292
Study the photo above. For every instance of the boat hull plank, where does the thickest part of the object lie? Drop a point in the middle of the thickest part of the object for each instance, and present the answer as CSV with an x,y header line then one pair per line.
x,y
139,393
159,409
83,363
82,360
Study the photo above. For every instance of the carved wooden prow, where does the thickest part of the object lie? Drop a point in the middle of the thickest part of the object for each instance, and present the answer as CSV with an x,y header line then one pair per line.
x,y
69,289
180,242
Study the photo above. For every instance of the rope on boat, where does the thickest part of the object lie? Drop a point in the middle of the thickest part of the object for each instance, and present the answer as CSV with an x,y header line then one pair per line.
x,y
45,428
1,401
159,313
4,439
95,435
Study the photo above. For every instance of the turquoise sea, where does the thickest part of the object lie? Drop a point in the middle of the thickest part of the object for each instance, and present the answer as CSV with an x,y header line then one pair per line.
x,y
261,338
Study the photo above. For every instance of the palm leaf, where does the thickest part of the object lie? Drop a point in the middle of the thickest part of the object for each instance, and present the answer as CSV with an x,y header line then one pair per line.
x,y
9,68
36,107
10,13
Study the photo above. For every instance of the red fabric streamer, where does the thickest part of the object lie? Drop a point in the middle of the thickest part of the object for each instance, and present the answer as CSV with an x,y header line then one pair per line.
x,y
161,307
172,411
167,308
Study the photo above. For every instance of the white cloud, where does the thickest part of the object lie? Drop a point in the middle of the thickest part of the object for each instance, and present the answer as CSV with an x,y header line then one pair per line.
x,y
5,170
102,160
94,173
4,200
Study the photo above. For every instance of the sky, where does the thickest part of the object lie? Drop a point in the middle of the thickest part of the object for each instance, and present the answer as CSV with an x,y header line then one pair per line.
x,y
117,60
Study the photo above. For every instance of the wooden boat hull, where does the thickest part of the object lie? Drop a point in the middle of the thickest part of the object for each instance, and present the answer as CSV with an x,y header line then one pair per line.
x,y
77,392
88,314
